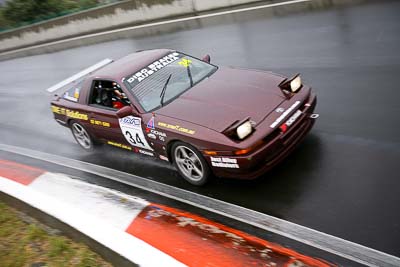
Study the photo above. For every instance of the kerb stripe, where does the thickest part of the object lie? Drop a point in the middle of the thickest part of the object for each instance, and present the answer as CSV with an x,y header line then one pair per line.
x,y
196,241
20,173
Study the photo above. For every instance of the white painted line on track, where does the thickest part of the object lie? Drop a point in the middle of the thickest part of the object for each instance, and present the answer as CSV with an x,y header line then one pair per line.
x,y
158,24
79,75
338,246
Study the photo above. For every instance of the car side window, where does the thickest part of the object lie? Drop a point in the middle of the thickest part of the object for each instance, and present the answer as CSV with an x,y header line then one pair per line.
x,y
108,94
72,94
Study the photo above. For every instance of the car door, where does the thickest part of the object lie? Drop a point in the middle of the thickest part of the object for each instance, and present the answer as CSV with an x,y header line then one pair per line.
x,y
103,116
106,98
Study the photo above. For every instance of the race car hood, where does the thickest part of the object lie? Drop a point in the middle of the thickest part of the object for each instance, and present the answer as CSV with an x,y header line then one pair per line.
x,y
227,96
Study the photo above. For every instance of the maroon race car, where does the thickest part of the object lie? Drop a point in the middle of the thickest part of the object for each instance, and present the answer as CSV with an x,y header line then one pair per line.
x,y
202,118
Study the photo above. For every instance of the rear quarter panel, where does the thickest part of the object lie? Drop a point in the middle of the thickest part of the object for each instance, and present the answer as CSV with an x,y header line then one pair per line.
x,y
65,110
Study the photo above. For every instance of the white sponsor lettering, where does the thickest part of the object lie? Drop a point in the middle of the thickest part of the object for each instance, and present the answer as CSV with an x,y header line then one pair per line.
x,y
224,163
152,136
292,119
281,117
130,120
144,152
158,133
153,67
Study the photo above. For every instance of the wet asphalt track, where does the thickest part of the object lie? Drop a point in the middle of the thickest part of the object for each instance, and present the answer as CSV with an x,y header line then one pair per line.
x,y
343,179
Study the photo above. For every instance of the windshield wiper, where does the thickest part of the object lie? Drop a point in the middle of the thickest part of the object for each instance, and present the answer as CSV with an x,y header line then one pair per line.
x,y
190,75
164,89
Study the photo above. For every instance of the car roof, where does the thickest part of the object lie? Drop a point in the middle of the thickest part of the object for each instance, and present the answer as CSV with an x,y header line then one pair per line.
x,y
129,64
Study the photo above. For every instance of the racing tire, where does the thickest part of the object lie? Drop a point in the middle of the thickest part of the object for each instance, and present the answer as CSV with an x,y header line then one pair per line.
x,y
190,163
82,136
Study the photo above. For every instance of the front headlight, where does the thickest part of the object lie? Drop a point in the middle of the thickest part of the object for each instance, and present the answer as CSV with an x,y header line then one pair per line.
x,y
244,130
295,84
291,86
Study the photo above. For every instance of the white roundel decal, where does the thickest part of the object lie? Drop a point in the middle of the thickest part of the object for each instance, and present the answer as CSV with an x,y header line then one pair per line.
x,y
131,128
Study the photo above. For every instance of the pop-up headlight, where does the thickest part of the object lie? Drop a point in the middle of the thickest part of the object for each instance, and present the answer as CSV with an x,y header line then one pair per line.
x,y
244,130
295,84
291,86
240,129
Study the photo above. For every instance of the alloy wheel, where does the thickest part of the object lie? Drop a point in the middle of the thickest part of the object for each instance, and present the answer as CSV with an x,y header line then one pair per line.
x,y
81,136
189,163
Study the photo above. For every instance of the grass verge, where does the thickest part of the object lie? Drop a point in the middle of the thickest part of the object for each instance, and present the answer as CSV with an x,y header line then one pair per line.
x,y
26,242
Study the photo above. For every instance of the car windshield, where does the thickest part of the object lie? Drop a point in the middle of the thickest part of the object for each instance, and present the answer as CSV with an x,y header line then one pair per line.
x,y
166,79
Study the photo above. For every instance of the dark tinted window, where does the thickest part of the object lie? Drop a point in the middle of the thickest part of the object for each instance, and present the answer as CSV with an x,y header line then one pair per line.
x,y
108,94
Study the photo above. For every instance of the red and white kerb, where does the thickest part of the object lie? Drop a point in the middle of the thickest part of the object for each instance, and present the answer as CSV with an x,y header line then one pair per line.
x,y
145,233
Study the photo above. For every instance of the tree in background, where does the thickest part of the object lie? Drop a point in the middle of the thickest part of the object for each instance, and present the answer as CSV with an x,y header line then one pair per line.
x,y
88,3
3,21
20,12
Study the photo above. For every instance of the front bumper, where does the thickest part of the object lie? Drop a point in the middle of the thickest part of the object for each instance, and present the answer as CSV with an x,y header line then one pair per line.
x,y
277,146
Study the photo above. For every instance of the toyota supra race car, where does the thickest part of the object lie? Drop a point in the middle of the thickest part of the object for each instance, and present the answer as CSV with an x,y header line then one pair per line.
x,y
204,119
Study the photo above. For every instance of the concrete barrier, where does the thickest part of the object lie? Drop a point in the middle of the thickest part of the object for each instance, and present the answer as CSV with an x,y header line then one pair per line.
x,y
115,21
106,18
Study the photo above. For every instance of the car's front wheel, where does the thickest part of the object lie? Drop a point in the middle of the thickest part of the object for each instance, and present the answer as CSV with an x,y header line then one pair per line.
x,y
190,163
82,136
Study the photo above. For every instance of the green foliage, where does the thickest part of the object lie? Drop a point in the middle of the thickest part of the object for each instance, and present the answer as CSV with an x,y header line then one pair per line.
x,y
24,244
35,233
88,259
87,3
29,10
58,246
3,22
22,12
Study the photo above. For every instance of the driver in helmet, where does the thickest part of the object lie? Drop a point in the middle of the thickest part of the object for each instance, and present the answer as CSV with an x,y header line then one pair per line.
x,y
119,98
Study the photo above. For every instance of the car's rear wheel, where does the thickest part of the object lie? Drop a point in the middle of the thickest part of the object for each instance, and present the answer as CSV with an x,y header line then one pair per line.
x,y
82,136
190,163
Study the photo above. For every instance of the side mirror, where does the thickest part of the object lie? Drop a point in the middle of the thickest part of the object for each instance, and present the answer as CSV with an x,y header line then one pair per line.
x,y
124,111
207,58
